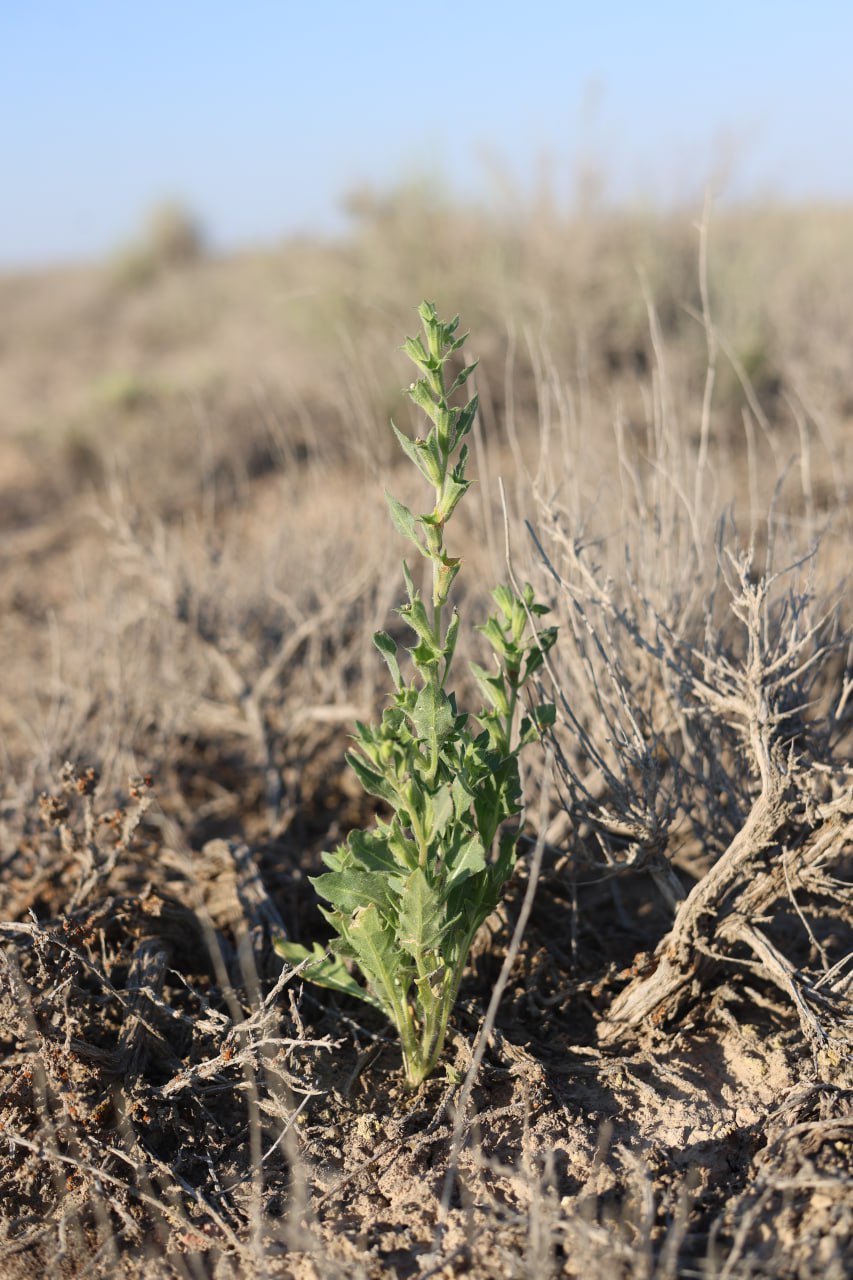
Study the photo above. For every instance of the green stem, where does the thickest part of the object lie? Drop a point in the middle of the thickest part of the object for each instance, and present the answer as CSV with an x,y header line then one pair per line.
x,y
420,839
437,607
418,1055
510,719
402,1018
435,1045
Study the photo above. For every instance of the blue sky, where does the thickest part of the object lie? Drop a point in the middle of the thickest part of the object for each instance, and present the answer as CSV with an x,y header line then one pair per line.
x,y
259,115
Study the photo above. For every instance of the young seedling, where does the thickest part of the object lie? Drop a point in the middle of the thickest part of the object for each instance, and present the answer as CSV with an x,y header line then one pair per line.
x,y
407,897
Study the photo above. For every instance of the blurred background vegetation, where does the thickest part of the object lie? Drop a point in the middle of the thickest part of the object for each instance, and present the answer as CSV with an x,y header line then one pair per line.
x,y
166,353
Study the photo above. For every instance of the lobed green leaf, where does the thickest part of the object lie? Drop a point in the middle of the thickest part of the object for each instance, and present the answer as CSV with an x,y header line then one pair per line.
x,y
439,811
404,522
493,688
373,782
380,850
379,956
450,639
469,860
324,970
351,889
387,646
465,421
462,378
421,921
433,716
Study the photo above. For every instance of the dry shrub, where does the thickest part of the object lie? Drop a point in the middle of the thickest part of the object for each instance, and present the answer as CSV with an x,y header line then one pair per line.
x,y
171,240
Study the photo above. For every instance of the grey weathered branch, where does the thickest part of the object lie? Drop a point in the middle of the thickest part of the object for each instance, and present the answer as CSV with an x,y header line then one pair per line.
x,y
784,841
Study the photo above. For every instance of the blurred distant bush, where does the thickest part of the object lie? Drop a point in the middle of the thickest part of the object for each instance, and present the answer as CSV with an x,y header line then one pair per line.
x,y
173,234
171,239
124,391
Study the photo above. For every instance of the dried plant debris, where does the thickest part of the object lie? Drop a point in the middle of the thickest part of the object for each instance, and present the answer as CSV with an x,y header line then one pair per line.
x,y
173,1102
141,1061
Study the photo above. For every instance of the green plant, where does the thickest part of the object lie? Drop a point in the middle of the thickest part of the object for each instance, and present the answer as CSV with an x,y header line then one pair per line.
x,y
407,896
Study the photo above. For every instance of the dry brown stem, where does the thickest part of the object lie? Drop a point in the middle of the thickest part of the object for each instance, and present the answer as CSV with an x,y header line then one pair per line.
x,y
785,834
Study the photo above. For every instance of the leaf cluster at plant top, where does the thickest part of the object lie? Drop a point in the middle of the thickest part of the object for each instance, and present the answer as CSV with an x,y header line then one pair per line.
x,y
407,897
